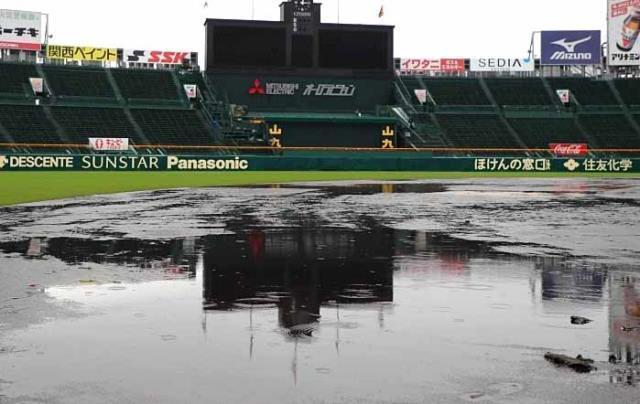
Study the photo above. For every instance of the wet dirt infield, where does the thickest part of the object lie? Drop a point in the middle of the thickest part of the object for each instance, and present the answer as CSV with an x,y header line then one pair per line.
x,y
350,292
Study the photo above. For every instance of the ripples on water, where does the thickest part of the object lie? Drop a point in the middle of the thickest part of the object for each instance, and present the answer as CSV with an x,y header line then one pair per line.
x,y
368,292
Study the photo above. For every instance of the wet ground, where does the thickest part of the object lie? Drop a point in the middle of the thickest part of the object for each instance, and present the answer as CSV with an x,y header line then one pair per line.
x,y
405,292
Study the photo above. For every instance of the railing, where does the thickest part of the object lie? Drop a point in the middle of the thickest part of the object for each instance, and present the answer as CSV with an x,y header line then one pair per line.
x,y
444,150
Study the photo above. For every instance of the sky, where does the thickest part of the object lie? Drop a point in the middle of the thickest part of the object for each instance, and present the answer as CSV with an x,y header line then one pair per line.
x,y
424,28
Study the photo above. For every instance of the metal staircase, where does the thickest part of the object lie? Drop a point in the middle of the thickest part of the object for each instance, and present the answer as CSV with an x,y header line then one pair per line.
x,y
416,126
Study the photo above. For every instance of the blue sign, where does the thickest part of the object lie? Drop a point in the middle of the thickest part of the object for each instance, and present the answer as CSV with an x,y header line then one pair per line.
x,y
571,48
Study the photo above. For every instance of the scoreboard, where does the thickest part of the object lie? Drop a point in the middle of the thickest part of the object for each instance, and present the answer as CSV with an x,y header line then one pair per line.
x,y
298,41
302,16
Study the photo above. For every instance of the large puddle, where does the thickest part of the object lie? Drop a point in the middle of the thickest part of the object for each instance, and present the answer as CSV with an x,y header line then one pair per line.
x,y
395,292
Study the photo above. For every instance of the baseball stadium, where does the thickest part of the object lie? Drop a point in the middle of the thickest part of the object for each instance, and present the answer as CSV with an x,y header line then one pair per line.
x,y
302,215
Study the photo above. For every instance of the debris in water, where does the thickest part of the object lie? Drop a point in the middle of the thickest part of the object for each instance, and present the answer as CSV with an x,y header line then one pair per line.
x,y
579,364
580,320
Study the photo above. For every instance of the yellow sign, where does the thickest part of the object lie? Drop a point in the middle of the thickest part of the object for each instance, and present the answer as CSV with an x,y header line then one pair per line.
x,y
82,53
275,130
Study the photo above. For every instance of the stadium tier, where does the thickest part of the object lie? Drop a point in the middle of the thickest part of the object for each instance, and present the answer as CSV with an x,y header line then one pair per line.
x,y
540,132
476,130
14,79
611,130
629,90
78,123
141,86
65,81
586,91
150,107
172,127
519,91
449,91
28,124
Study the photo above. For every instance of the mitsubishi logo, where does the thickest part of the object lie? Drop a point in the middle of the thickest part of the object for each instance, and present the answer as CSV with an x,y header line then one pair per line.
x,y
257,88
571,46
3,161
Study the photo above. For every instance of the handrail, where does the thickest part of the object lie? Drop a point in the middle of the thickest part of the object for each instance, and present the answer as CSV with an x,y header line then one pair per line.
x,y
306,148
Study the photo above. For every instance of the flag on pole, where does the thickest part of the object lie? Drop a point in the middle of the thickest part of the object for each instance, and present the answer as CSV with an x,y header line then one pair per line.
x,y
381,13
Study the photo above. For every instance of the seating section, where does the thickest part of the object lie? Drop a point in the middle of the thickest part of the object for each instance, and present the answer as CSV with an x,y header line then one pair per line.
x,y
146,84
585,91
448,91
629,90
538,133
172,127
14,78
82,123
456,91
611,130
475,130
519,91
78,82
28,124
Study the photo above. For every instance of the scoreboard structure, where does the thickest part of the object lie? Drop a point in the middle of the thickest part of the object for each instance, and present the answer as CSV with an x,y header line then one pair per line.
x,y
299,41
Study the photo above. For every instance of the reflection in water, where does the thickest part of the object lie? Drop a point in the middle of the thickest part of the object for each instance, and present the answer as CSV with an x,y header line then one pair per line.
x,y
624,318
177,255
561,281
297,272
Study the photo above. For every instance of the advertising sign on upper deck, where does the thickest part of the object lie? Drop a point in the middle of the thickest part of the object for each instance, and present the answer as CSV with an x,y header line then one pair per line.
x,y
570,48
82,53
502,65
155,56
623,18
20,30
432,65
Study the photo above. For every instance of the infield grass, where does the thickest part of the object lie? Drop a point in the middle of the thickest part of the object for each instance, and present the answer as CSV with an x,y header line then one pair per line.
x,y
23,187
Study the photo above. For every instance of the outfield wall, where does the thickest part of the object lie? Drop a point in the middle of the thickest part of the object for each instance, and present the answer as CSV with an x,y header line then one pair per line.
x,y
329,162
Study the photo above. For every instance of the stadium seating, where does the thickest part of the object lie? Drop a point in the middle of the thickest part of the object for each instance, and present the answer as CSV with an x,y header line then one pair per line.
x,y
173,127
146,85
448,91
476,130
586,91
629,90
453,91
519,91
611,130
14,79
78,82
81,123
28,124
539,132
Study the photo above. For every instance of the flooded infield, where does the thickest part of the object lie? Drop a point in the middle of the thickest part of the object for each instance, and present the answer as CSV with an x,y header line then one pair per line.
x,y
413,292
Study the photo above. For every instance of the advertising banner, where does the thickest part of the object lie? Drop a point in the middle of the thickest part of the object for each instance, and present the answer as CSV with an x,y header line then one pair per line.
x,y
564,95
421,95
82,53
155,56
37,85
623,19
568,149
570,48
109,144
20,30
433,65
191,90
502,65
105,162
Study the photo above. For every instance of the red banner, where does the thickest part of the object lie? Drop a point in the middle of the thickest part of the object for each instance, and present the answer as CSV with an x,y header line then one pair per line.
x,y
569,149
434,65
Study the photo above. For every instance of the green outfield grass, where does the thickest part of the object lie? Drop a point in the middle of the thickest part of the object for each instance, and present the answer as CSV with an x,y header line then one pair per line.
x,y
23,187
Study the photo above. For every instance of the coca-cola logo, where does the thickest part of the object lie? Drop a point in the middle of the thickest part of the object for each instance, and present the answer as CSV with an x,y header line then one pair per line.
x,y
568,149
